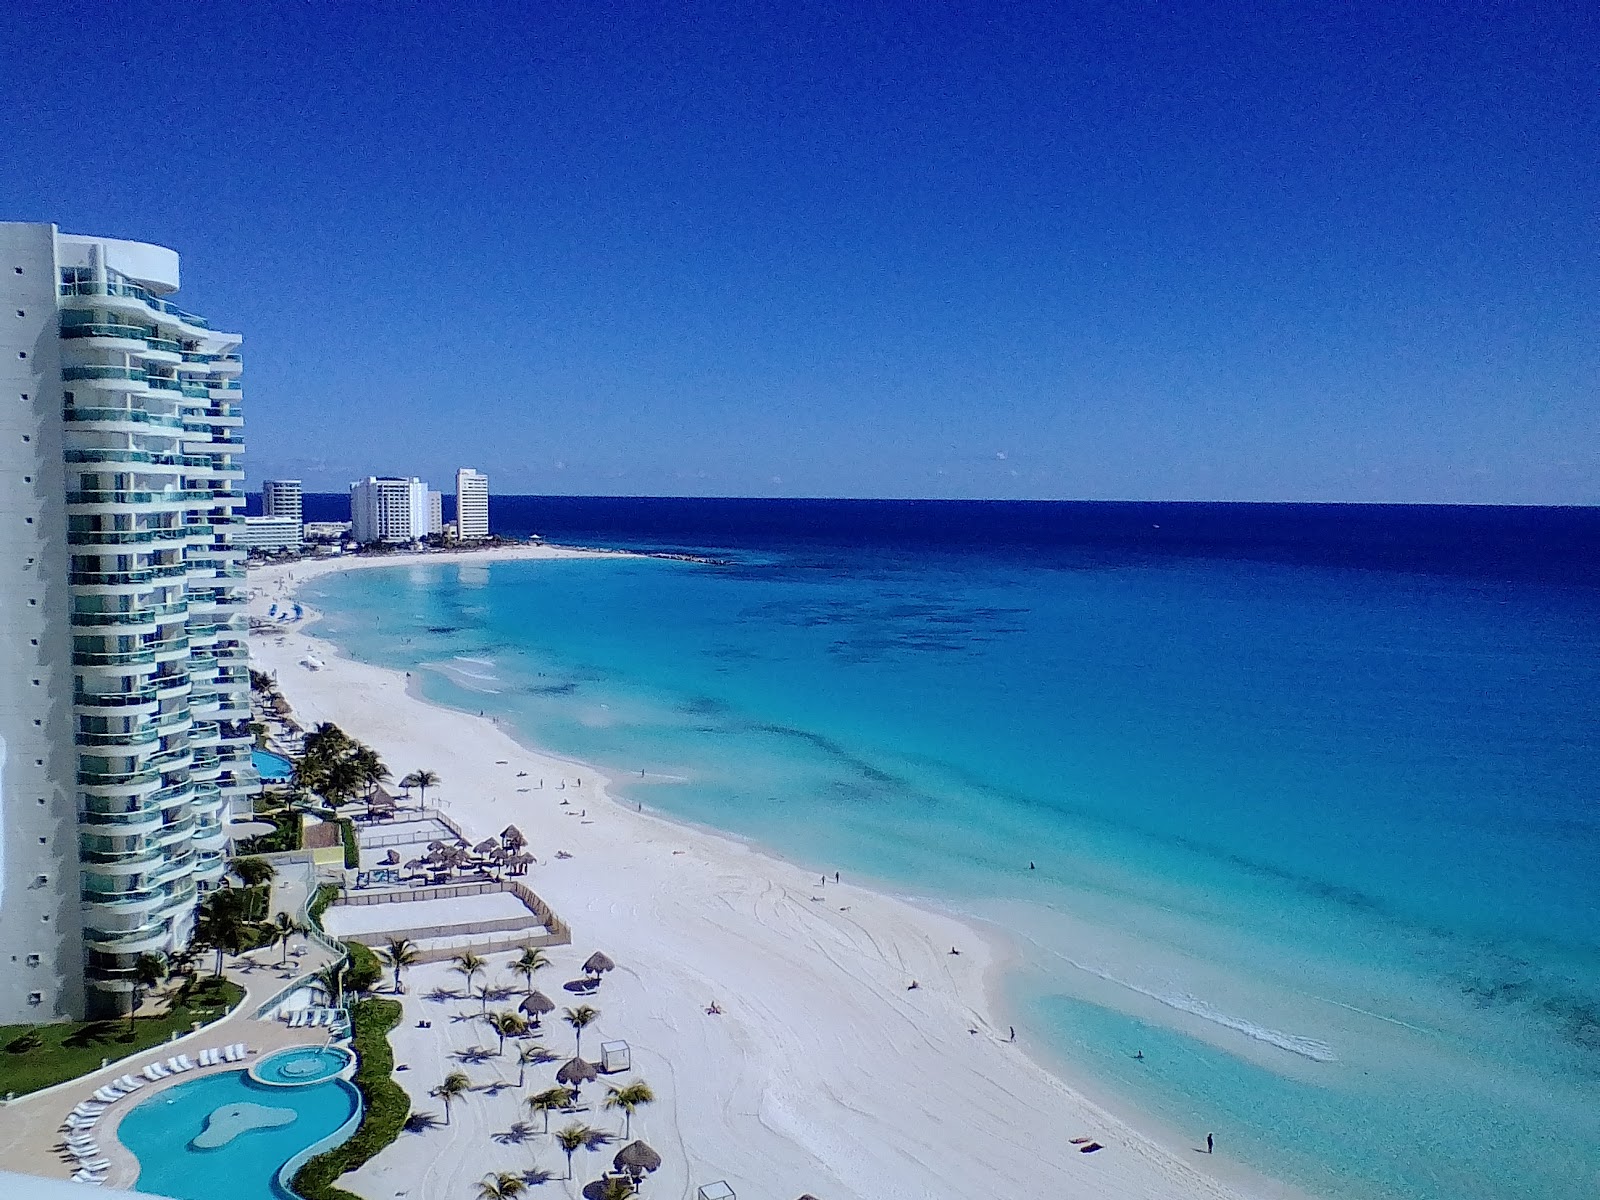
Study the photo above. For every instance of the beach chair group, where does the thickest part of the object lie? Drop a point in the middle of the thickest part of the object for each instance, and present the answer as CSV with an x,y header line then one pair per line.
x,y
316,1018
79,1142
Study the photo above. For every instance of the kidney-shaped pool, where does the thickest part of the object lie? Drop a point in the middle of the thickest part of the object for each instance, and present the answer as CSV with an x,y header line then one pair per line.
x,y
227,1135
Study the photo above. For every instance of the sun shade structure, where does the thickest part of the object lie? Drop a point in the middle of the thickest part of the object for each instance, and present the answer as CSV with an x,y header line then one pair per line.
x,y
597,963
636,1158
537,1004
487,846
512,837
575,1070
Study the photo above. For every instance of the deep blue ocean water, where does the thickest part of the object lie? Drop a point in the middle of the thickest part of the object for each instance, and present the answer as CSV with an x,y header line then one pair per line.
x,y
1310,790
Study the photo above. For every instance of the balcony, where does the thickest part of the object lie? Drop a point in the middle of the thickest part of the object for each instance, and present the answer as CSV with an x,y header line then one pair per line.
x,y
126,703
126,379
103,336
116,289
112,658
130,737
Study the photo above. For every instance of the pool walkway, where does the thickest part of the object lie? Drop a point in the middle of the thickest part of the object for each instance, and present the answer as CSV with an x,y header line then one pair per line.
x,y
30,1126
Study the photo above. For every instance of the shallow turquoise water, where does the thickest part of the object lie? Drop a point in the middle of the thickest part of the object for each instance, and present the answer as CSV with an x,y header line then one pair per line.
x,y
159,1131
271,766
301,1066
1319,842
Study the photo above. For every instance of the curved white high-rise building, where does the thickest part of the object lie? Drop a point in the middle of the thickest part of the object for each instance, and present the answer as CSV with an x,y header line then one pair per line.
x,y
124,723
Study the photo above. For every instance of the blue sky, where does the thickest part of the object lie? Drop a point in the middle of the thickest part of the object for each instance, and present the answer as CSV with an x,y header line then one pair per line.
x,y
976,250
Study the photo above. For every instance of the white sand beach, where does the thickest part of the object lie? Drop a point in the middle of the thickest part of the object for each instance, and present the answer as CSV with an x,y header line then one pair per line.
x,y
824,1072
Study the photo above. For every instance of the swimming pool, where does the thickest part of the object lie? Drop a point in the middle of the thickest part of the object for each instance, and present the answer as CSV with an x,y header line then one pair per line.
x,y
302,1065
271,766
229,1133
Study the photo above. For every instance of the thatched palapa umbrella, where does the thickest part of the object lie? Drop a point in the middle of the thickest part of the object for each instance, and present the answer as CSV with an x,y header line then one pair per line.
x,y
575,1071
487,846
537,1004
597,963
512,837
392,859
636,1158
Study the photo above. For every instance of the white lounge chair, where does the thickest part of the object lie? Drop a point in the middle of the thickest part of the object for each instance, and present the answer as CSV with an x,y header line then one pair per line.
x,y
234,1053
129,1084
89,1109
153,1072
107,1094
85,1152
99,1165
84,1175
184,1063
297,1019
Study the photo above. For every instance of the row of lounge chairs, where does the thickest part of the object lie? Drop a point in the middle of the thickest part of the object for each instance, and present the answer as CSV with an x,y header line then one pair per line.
x,y
79,1142
317,1018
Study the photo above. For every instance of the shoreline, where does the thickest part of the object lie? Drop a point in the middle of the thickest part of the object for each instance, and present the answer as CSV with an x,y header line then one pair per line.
x,y
871,945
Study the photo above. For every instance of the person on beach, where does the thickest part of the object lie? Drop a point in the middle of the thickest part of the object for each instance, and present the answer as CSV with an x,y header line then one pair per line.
x,y
1013,1029
913,986
1211,1144
836,877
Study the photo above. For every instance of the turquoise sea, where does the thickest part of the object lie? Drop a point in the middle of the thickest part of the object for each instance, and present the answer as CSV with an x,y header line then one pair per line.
x,y
1313,826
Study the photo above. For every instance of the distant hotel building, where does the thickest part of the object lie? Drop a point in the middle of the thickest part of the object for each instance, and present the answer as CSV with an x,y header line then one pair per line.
x,y
281,498
388,510
435,512
270,533
124,712
472,505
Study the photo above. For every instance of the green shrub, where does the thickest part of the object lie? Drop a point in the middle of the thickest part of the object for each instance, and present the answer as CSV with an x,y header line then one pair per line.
x,y
327,893
352,847
385,1104
365,969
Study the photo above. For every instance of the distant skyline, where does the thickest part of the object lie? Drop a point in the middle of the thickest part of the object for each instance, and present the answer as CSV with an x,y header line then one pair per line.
x,y
1022,251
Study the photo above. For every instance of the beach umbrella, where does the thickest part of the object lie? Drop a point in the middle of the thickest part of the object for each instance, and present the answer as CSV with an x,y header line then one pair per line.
x,y
575,1071
486,846
537,1004
435,847
636,1158
392,858
512,836
597,963
416,864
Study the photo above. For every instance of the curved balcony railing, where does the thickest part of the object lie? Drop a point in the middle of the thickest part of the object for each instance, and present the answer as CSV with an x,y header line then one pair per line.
x,y
86,372
132,333
116,699
117,287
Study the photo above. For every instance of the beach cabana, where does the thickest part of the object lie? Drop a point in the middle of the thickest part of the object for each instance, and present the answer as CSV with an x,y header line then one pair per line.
x,y
636,1158
598,963
575,1071
615,1056
716,1191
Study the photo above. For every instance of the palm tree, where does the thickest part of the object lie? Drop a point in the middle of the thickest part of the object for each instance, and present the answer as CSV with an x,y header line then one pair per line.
x,y
572,1139
454,1085
148,970
531,960
501,1187
506,1024
253,872
531,1053
548,1101
400,953
285,927
469,964
219,928
579,1018
629,1097
373,772
617,1187
331,980
423,779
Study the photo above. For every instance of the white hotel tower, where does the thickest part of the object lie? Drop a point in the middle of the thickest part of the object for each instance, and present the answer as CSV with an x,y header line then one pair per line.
x,y
124,686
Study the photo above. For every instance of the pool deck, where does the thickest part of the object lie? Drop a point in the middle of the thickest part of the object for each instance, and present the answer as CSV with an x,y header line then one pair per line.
x,y
30,1126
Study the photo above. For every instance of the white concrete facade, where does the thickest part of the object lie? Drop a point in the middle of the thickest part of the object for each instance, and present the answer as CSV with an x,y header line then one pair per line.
x,y
124,707
388,509
282,498
435,512
270,533
472,505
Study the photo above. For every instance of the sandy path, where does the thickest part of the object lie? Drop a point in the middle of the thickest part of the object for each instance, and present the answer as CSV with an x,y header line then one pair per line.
x,y
824,1073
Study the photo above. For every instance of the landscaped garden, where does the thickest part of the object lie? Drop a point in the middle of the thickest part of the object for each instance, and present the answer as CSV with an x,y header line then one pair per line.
x,y
37,1056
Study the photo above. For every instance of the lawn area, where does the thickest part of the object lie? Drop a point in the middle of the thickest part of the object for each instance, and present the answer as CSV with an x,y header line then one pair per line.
x,y
36,1056
384,1112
